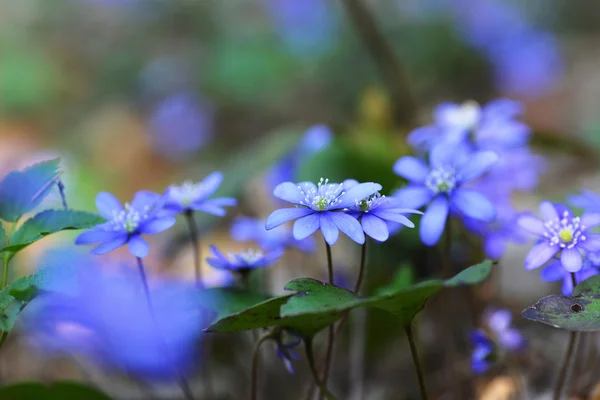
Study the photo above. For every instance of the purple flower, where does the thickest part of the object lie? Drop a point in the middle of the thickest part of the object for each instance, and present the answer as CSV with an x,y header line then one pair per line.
x,y
517,169
286,342
440,186
127,223
108,320
321,207
560,232
250,229
195,197
587,200
243,261
483,354
492,127
375,211
555,271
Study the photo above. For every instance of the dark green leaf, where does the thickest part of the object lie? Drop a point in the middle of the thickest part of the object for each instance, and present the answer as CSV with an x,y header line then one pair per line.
x,y
404,278
578,313
48,222
24,288
472,275
590,286
228,301
22,191
56,390
9,310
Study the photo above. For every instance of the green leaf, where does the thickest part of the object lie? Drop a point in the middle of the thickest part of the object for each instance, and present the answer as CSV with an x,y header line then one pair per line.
x,y
228,301
22,191
56,390
24,289
404,278
579,313
589,286
472,275
2,236
48,222
9,311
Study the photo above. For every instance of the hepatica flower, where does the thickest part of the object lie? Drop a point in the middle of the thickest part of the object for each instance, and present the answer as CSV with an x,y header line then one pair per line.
x,y
375,211
250,229
286,343
321,207
587,200
440,184
196,197
560,234
243,261
555,271
127,223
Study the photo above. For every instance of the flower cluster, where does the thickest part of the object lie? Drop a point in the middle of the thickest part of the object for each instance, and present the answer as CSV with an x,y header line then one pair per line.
x,y
497,338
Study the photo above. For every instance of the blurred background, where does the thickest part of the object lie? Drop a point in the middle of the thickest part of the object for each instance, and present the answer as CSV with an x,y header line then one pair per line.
x,y
140,94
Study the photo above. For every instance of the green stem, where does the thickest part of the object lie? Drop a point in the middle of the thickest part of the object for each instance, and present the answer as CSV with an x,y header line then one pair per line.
x,y
255,359
5,261
415,357
331,330
565,368
447,256
193,228
329,263
311,363
183,384
361,271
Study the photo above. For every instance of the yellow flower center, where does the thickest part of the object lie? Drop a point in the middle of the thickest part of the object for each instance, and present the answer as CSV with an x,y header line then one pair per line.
x,y
566,235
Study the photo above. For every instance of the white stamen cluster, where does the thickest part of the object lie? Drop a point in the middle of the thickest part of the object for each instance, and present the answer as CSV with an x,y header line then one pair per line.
x,y
565,232
441,180
129,218
369,203
187,193
467,116
248,257
326,196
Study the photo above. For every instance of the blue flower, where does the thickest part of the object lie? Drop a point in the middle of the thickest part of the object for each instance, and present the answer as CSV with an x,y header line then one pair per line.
x,y
321,207
492,127
195,197
286,342
127,223
375,211
250,229
587,200
108,320
243,261
440,186
555,271
482,357
560,232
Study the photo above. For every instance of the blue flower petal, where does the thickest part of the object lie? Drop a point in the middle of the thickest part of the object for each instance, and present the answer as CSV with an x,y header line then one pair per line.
x,y
590,220
145,200
499,320
393,217
539,255
495,245
209,209
411,168
97,236
357,193
413,196
434,221
532,224
349,225
283,215
553,272
571,259
138,246
157,225
211,183
306,226
591,242
548,211
290,192
111,245
328,228
107,205
375,227
477,165
473,204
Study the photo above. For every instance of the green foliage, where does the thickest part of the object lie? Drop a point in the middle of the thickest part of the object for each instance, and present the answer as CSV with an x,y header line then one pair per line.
x,y
10,308
228,301
48,222
22,191
316,305
2,236
56,390
580,312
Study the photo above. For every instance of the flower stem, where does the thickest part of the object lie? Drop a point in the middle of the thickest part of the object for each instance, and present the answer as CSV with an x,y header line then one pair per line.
x,y
447,255
311,363
193,228
5,261
415,356
331,330
563,375
183,384
361,271
63,197
255,359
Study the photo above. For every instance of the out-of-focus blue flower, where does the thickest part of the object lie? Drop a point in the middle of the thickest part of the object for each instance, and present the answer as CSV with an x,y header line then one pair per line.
x,y
483,352
250,229
321,207
516,169
375,211
244,260
587,200
180,125
440,186
560,232
497,337
195,197
286,343
108,320
315,139
127,223
491,127
307,27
